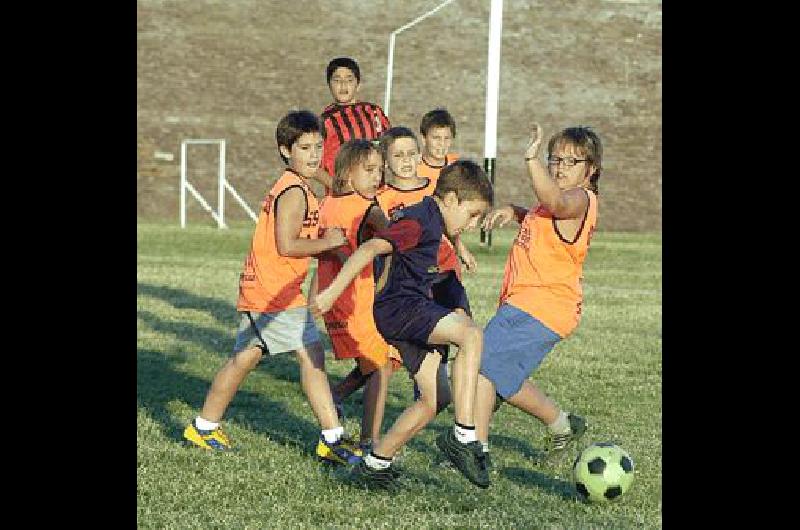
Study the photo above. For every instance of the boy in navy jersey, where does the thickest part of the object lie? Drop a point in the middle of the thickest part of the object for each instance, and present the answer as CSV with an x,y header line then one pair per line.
x,y
408,318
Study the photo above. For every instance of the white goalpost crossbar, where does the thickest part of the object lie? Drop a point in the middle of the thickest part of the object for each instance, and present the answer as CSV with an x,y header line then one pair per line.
x,y
390,61
222,185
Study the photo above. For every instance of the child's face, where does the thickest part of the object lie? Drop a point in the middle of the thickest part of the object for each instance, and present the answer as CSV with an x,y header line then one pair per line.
x,y
437,142
366,176
343,86
305,154
462,215
403,157
566,176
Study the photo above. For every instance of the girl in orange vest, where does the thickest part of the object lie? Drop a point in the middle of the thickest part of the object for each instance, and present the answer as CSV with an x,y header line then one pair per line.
x,y
353,209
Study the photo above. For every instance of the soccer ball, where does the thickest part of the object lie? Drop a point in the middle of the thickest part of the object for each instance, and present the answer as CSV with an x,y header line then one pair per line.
x,y
603,472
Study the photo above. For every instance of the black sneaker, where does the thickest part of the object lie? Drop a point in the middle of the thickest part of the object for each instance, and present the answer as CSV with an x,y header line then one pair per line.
x,y
556,443
364,475
467,458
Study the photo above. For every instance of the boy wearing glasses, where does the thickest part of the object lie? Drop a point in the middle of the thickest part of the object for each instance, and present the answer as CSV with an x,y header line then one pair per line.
x,y
540,301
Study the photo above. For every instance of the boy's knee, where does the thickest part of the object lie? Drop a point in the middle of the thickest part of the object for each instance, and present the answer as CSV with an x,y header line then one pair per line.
x,y
248,359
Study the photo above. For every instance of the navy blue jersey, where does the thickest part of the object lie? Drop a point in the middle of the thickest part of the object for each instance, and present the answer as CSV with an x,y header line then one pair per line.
x,y
415,233
404,309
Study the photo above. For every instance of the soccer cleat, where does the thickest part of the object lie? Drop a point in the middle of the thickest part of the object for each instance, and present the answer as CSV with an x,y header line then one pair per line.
x,y
555,443
214,439
343,451
468,458
364,475
365,446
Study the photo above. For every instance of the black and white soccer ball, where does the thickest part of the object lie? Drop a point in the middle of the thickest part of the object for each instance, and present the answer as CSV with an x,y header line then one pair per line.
x,y
602,472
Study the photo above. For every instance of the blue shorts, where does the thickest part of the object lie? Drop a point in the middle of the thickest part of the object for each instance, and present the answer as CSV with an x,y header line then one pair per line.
x,y
514,345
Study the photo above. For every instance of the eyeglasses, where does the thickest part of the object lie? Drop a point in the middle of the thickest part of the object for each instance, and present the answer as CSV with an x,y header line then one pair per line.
x,y
569,161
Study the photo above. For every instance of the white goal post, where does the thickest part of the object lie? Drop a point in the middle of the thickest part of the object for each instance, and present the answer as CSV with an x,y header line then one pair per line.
x,y
492,83
222,185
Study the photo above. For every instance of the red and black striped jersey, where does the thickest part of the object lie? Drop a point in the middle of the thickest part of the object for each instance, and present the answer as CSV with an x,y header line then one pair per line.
x,y
348,122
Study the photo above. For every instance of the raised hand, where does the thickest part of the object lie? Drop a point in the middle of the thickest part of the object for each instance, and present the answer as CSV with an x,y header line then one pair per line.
x,y
535,142
498,217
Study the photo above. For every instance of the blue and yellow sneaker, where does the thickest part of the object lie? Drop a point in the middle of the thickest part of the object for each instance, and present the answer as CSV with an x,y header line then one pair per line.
x,y
343,451
213,439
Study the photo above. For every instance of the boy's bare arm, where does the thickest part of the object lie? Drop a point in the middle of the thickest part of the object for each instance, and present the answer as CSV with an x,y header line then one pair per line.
x,y
500,216
469,261
563,204
362,257
290,211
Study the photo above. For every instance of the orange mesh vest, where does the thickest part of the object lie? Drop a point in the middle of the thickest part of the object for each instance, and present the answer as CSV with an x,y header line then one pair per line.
x,y
543,272
349,322
270,282
432,172
391,199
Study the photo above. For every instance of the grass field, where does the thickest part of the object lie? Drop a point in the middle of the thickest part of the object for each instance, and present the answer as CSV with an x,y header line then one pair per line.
x,y
609,371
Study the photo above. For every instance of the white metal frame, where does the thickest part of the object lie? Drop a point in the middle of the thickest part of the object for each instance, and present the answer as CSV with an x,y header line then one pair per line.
x,y
390,62
222,185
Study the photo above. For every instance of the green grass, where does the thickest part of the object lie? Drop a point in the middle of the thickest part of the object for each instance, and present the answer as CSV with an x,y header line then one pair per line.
x,y
609,370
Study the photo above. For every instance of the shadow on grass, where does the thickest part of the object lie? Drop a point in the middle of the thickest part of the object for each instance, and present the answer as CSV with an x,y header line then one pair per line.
x,y
553,486
515,444
158,383
282,366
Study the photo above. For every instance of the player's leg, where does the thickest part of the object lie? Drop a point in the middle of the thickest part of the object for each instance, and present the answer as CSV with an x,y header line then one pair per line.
x,y
419,413
354,380
484,408
562,427
443,394
333,445
375,470
204,431
375,392
462,331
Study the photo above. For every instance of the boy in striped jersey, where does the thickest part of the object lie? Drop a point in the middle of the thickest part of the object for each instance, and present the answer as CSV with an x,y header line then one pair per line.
x,y
541,297
347,118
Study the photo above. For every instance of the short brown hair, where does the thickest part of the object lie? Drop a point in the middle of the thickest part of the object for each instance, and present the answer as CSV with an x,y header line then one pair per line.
x,y
293,126
438,117
467,179
388,138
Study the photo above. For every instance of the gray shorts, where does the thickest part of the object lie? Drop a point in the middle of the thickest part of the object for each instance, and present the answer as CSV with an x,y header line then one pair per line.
x,y
287,330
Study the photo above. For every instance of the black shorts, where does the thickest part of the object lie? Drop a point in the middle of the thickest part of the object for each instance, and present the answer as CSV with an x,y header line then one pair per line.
x,y
413,354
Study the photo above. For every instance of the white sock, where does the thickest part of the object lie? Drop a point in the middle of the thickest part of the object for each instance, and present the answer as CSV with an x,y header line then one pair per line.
x,y
485,446
560,425
464,434
333,435
205,425
376,462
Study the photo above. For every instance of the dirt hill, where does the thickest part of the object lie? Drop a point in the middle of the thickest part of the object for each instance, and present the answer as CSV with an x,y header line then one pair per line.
x,y
231,69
